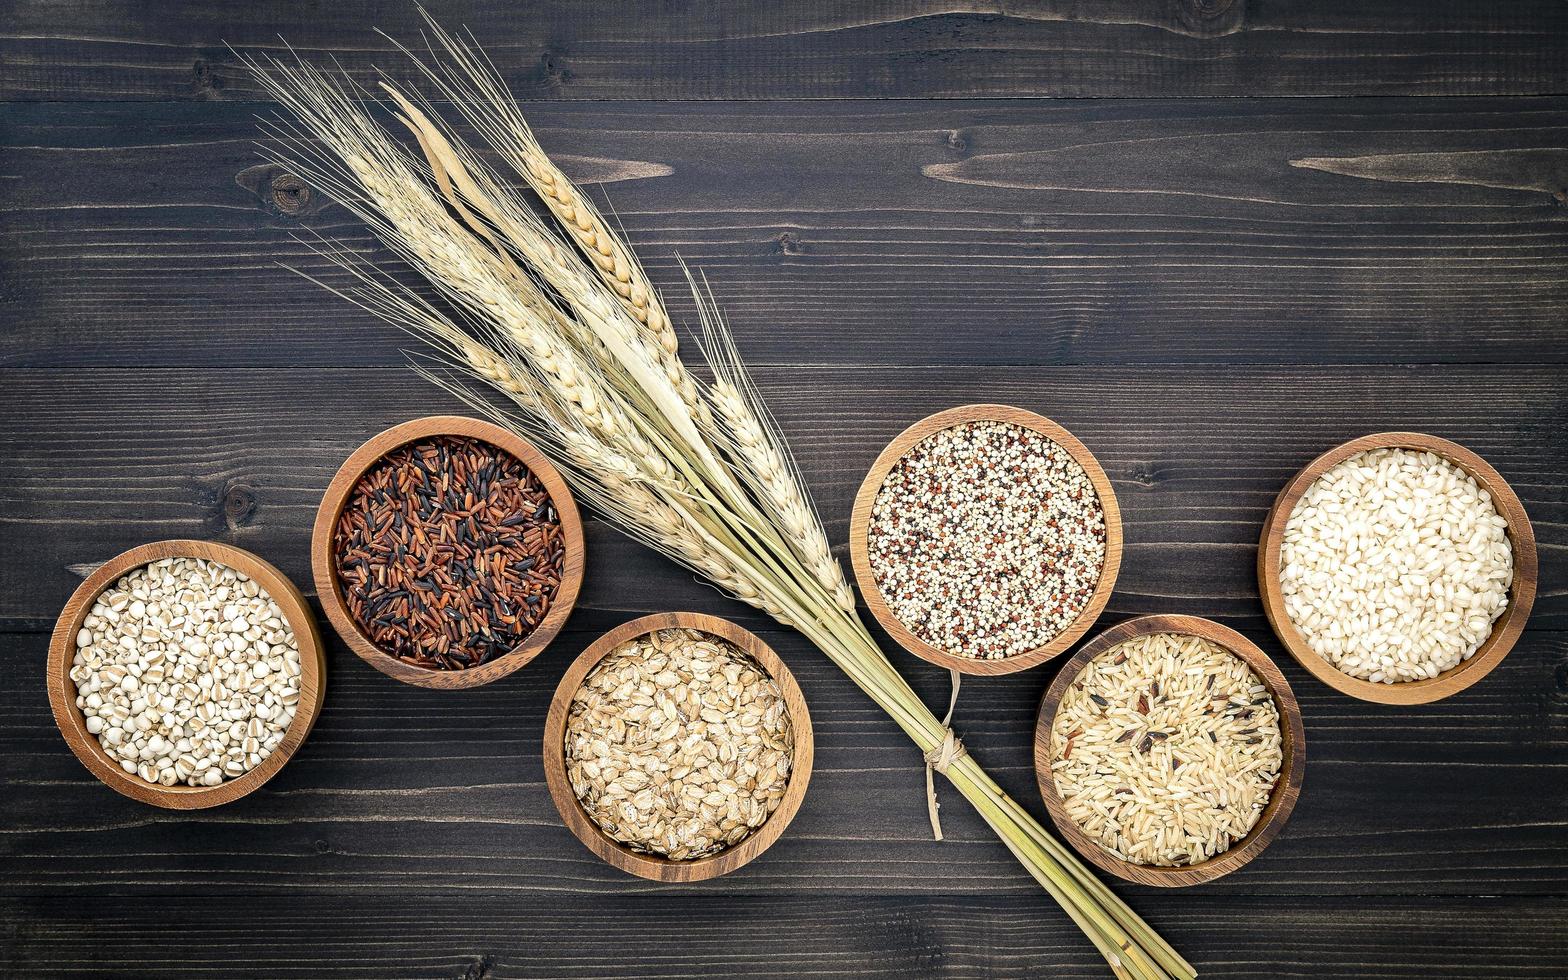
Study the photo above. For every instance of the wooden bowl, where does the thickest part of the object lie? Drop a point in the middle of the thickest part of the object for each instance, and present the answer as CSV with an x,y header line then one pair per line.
x,y
1505,631
324,563
647,865
860,521
1286,789
72,723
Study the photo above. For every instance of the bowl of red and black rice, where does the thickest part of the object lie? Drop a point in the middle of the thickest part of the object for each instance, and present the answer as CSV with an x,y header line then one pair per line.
x,y
447,552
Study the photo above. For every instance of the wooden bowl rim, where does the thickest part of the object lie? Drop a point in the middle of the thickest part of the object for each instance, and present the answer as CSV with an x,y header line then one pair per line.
x,y
85,745
1505,631
1281,801
895,450
649,866
336,496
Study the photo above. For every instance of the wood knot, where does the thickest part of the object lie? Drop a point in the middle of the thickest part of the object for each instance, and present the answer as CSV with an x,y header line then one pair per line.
x,y
205,78
290,194
957,140
1145,475
482,968
239,506
788,244
1211,18
553,72
279,191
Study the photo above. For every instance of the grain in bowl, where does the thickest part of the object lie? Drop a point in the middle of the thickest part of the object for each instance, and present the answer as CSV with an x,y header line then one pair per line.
x,y
1166,749
1394,565
448,553
678,744
186,671
987,539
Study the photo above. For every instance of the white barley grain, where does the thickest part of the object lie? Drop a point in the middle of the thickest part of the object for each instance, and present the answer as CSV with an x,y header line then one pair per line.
x,y
1394,564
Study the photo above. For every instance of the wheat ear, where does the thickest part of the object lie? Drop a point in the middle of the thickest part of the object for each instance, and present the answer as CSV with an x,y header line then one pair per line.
x,y
470,81
775,482
377,178
761,450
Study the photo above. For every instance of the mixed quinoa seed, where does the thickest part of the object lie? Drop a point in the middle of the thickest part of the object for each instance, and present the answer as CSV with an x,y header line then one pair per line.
x,y
986,540
1165,749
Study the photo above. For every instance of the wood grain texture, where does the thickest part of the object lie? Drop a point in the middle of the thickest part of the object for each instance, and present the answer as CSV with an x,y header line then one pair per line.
x,y
1287,788
1207,291
860,523
323,557
71,722
1505,630
720,49
659,938
1196,457
1120,232
403,792
648,866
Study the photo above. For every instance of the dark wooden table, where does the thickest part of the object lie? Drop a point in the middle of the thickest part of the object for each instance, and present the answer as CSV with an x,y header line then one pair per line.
x,y
1212,237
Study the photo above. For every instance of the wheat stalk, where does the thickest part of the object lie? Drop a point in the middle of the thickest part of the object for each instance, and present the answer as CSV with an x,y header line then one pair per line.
x,y
574,338
465,181
484,100
739,413
466,77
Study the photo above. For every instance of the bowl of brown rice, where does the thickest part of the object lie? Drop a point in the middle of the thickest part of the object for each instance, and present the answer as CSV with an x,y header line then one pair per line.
x,y
447,552
1398,568
1169,750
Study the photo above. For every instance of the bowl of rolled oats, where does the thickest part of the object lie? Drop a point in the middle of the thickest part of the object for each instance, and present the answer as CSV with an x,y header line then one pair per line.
x,y
678,747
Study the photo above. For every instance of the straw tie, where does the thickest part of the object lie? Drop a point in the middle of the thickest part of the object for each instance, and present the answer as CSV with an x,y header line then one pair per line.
x,y
944,755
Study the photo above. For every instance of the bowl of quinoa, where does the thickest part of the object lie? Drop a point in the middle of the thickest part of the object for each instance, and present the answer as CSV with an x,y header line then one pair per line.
x,y
986,539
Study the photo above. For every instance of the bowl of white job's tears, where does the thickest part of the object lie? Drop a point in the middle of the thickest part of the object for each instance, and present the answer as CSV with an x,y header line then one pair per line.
x,y
185,674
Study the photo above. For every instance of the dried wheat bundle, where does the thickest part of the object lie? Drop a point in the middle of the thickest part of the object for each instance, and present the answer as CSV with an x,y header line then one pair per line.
x,y
563,324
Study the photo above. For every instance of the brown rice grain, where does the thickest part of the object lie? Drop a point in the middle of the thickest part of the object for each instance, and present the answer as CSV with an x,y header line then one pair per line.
x,y
1176,747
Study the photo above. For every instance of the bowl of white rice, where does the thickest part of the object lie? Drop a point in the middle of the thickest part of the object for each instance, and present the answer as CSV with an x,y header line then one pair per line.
x,y
1398,568
1169,750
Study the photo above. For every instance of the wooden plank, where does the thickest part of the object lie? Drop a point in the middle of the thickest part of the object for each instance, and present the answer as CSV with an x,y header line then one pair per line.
x,y
1239,231
404,788
717,49
461,935
99,460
